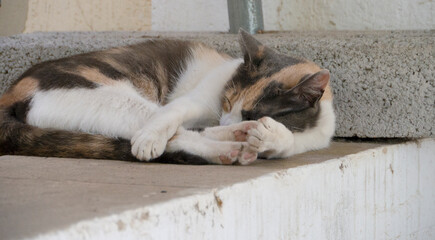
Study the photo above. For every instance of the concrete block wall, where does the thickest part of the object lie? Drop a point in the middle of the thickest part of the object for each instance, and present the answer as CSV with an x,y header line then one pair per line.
x,y
383,81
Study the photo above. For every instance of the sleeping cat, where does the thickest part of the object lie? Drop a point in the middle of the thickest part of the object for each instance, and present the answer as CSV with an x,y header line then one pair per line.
x,y
138,102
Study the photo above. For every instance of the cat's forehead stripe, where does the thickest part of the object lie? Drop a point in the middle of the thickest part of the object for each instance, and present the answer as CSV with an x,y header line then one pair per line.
x,y
290,76
253,93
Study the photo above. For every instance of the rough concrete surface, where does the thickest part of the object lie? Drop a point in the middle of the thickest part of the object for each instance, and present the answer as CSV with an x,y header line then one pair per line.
x,y
43,194
383,81
349,191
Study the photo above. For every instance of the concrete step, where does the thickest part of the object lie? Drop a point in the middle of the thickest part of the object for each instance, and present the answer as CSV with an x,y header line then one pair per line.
x,y
349,191
384,81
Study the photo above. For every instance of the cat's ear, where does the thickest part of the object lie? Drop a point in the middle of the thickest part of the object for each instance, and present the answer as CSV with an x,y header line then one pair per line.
x,y
312,88
252,49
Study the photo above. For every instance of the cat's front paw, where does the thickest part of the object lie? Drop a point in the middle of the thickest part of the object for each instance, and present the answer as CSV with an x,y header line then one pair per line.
x,y
147,145
150,142
269,135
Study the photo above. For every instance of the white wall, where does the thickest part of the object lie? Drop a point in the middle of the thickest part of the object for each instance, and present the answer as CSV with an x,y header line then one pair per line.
x,y
348,14
202,15
88,15
189,15
206,15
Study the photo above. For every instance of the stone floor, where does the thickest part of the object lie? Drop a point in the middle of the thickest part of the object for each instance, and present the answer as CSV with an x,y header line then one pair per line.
x,y
44,194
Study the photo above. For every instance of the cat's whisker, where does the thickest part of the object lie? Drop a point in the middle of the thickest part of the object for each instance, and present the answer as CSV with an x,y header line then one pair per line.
x,y
296,128
234,85
255,105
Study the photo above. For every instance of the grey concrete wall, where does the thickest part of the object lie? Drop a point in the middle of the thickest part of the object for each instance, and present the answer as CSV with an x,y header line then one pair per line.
x,y
383,81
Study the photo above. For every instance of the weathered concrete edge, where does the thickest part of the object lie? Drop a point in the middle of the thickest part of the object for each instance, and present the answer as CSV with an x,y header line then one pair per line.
x,y
336,199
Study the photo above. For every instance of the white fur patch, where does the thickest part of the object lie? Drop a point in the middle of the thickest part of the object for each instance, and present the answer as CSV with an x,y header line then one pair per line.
x,y
319,136
234,116
115,111
200,88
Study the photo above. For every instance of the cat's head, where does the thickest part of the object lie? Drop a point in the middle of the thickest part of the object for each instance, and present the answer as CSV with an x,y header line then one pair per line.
x,y
271,84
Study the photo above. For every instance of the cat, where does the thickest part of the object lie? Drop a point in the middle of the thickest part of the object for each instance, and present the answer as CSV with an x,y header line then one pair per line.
x,y
140,102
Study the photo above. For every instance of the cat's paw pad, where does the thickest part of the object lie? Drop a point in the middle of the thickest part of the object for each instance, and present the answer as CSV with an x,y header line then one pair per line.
x,y
238,155
147,145
247,157
241,132
230,157
240,136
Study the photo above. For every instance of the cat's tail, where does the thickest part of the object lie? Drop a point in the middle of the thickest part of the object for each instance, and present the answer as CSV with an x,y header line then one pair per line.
x,y
19,138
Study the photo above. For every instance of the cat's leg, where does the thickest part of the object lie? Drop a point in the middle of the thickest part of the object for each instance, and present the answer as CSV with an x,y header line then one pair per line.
x,y
216,152
233,132
203,99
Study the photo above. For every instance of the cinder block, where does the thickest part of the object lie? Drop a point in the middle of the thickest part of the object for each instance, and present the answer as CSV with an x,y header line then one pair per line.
x,y
383,81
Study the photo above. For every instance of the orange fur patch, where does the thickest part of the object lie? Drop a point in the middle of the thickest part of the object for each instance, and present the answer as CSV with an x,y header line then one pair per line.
x,y
252,93
162,77
117,50
260,51
327,95
203,52
146,87
24,89
94,75
290,76
112,62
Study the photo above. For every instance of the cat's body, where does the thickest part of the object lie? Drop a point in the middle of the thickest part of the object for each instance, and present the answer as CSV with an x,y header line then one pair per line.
x,y
94,105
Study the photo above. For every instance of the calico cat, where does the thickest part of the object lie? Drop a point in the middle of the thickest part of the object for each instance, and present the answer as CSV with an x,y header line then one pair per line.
x,y
138,102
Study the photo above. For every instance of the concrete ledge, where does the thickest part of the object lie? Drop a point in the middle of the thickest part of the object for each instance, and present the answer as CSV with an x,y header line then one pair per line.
x,y
350,191
384,82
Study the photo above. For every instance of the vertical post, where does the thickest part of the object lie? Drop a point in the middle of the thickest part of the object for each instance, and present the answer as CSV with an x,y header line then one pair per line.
x,y
246,14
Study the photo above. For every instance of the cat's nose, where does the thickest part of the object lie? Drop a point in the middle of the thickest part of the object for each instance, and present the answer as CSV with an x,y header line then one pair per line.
x,y
246,116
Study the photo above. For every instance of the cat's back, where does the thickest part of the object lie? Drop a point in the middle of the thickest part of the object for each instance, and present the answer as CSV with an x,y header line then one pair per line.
x,y
153,67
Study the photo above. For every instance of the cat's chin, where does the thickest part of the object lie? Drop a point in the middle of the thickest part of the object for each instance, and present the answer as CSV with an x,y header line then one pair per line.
x,y
228,119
